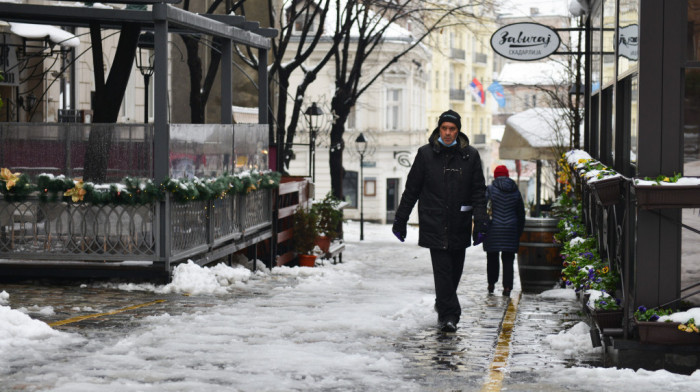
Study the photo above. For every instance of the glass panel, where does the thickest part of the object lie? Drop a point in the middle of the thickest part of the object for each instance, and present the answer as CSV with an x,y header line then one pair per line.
x,y
250,143
200,150
350,188
691,129
596,22
628,49
693,42
34,148
609,41
634,116
690,251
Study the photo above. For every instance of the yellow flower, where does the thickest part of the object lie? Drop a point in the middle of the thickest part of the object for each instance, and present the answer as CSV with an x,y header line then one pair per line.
x,y
9,177
605,269
77,193
666,179
681,327
251,188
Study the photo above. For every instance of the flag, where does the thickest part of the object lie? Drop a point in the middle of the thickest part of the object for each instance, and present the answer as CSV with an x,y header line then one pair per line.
x,y
497,91
478,91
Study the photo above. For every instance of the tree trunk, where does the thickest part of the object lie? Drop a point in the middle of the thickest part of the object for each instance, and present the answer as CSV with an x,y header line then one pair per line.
x,y
341,109
194,63
108,98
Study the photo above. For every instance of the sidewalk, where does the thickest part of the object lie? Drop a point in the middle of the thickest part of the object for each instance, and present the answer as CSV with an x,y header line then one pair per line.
x,y
364,325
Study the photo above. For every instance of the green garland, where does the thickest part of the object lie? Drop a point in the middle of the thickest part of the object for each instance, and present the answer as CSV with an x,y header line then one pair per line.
x,y
138,191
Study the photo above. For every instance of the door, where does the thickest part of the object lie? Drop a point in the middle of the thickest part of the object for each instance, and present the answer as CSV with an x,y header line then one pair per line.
x,y
392,198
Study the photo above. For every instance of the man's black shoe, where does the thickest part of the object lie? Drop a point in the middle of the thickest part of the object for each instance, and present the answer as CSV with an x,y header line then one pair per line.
x,y
449,326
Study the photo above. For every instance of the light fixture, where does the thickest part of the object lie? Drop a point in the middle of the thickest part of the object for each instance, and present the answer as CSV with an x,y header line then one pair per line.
x,y
313,115
144,62
27,103
361,146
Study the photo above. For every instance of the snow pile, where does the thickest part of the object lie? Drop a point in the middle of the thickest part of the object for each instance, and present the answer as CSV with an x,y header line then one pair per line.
x,y
4,298
682,317
573,341
561,294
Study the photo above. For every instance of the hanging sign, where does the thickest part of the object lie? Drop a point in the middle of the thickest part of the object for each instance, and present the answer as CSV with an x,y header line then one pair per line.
x,y
525,41
627,43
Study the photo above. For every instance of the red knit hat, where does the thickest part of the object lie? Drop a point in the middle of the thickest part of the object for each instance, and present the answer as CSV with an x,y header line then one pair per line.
x,y
500,171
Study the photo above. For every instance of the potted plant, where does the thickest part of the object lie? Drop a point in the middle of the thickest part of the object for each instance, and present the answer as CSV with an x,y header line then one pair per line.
x,y
305,233
329,219
664,326
607,312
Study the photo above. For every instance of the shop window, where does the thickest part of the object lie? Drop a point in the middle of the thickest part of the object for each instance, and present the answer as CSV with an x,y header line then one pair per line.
x,y
693,38
691,127
608,41
350,188
628,33
596,56
633,122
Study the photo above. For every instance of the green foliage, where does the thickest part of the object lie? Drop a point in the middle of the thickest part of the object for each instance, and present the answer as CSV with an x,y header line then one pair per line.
x,y
329,216
663,178
50,188
607,303
644,314
305,230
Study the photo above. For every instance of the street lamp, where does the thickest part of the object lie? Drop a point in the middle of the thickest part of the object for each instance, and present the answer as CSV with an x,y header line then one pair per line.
x,y
361,145
144,62
27,103
313,114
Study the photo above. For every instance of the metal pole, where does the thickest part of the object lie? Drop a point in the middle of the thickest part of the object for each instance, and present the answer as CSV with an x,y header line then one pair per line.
x,y
312,156
362,198
146,80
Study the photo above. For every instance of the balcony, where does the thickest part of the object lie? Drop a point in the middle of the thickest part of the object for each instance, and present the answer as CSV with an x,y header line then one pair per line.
x,y
457,54
457,94
480,58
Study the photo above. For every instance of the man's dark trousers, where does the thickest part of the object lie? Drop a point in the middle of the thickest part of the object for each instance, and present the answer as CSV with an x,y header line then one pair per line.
x,y
447,272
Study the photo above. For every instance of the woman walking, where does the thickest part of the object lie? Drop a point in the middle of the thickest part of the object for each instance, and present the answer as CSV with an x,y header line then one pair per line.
x,y
507,224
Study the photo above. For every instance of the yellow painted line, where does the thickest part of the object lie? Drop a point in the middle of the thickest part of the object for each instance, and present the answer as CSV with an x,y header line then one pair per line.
x,y
89,316
500,357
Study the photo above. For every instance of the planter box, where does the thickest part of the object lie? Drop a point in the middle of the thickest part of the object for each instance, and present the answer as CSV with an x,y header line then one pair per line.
x,y
607,318
607,190
655,332
667,196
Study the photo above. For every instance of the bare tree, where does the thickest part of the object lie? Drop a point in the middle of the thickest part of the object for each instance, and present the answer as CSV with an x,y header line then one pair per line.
x,y
372,20
301,24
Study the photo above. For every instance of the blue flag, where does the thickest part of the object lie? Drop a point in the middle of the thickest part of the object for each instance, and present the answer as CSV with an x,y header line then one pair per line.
x,y
498,93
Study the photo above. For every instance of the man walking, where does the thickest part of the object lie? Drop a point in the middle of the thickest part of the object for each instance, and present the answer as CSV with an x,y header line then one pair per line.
x,y
447,180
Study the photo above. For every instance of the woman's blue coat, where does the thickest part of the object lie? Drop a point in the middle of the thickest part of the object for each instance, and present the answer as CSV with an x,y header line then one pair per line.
x,y
507,216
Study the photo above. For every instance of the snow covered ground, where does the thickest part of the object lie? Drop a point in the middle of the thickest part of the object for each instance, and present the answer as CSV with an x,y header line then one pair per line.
x,y
334,327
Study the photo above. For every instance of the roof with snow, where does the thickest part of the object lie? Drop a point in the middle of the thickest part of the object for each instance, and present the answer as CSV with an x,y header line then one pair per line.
x,y
532,134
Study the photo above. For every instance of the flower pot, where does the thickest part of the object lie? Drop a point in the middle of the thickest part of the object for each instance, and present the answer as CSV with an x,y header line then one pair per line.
x,y
607,190
307,260
667,196
323,242
655,332
607,318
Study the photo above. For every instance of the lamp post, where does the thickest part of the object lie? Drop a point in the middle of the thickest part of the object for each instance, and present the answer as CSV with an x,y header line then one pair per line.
x,y
361,145
144,62
313,114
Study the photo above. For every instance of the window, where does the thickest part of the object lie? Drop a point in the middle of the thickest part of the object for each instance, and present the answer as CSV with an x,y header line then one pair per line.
x,y
350,188
352,119
393,109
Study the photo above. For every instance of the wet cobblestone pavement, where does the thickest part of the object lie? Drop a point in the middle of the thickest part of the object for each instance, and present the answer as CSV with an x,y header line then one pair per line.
x,y
463,361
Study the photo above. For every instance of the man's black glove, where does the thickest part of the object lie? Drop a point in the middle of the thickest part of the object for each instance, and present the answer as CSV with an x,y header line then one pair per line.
x,y
480,230
399,229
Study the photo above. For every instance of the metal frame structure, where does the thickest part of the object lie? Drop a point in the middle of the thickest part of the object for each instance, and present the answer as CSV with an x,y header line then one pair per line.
x,y
235,223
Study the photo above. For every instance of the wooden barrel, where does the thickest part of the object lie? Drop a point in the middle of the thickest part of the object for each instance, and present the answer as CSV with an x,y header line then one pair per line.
x,y
539,261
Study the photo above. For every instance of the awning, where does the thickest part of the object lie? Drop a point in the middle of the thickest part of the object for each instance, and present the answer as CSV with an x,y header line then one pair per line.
x,y
535,134
39,31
